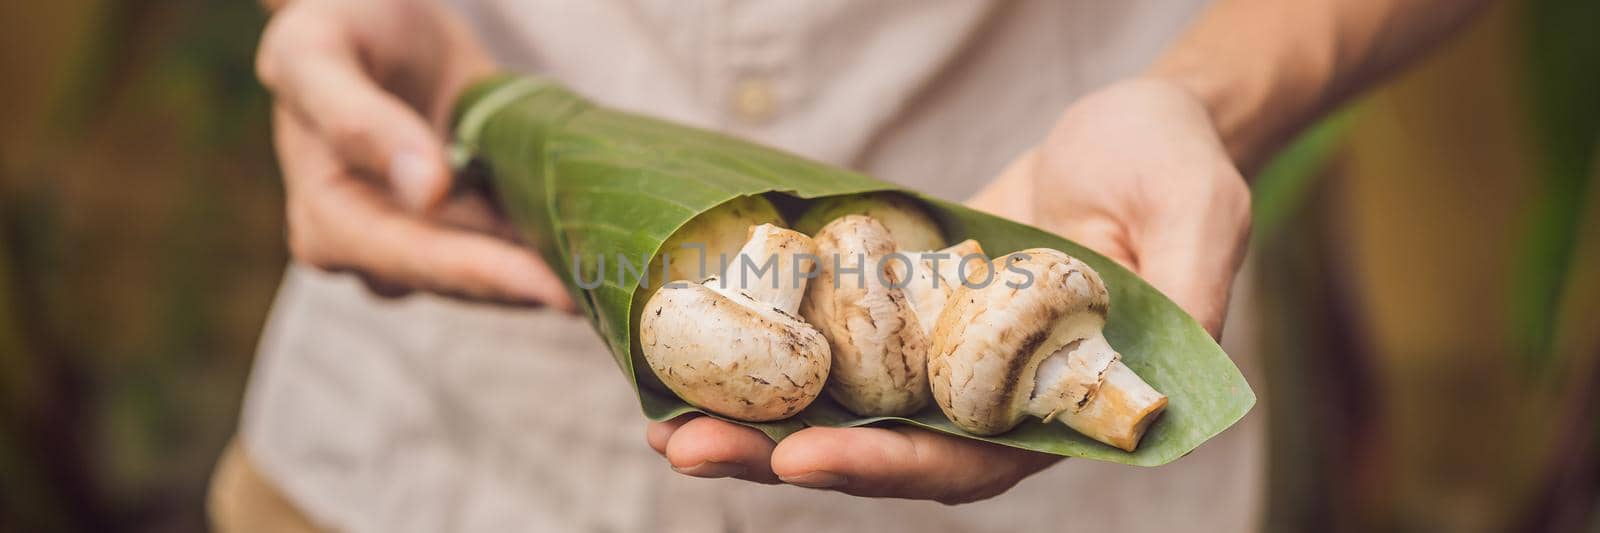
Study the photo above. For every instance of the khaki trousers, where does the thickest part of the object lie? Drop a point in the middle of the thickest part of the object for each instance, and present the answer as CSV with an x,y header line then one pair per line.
x,y
242,501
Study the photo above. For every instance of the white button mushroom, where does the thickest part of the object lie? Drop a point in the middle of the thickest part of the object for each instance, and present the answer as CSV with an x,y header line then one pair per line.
x,y
732,345
1030,343
876,299
694,252
879,348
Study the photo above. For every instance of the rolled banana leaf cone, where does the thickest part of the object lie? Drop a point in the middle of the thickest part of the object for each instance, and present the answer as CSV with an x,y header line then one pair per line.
x,y
582,182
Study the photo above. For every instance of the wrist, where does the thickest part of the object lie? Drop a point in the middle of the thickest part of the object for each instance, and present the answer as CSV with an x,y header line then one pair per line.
x,y
1262,70
1251,111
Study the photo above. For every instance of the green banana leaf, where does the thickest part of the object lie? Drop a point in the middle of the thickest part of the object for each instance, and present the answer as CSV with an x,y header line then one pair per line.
x,y
583,181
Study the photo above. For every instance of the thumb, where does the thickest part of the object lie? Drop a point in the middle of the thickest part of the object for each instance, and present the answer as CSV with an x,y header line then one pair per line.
x,y
1008,194
902,462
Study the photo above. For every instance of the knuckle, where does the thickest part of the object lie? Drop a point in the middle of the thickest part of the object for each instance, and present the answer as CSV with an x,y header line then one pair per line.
x,y
1233,185
1233,194
266,64
275,39
1243,219
383,288
346,134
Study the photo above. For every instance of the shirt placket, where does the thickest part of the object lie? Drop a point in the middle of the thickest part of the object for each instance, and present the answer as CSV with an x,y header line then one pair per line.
x,y
754,64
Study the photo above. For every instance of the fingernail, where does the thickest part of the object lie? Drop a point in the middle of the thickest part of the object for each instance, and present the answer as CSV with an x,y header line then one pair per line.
x,y
816,480
712,469
410,174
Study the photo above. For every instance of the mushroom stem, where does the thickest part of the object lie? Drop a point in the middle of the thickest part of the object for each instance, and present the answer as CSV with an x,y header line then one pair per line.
x,y
1031,344
772,267
957,263
1085,385
931,283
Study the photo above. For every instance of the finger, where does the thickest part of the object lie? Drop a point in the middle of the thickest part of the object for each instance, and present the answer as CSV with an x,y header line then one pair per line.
x,y
1197,278
382,287
658,433
1013,195
902,463
340,223
709,447
1193,258
1106,237
316,74
354,227
474,211
1010,194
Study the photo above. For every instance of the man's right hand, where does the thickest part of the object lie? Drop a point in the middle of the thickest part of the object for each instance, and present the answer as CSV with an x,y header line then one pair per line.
x,y
362,92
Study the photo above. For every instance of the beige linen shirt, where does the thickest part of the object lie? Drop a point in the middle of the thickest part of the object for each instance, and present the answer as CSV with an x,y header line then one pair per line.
x,y
428,414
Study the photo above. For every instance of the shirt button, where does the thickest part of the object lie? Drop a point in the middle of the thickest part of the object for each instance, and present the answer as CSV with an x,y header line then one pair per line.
x,y
753,100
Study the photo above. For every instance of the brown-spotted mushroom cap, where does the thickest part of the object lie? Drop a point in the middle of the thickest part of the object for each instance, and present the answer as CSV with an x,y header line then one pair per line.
x,y
1030,344
879,347
733,345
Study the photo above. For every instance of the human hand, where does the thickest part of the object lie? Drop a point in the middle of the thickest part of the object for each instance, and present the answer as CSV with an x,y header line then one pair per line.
x,y
362,90
1137,172
1134,171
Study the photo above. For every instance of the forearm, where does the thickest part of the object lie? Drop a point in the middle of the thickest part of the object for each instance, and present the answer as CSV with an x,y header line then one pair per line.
x,y
1266,68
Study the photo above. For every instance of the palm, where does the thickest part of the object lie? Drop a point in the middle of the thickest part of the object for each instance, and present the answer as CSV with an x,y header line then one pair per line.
x,y
1137,173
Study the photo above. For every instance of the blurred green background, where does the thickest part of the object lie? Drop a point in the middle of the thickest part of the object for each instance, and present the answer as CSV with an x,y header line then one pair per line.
x,y
141,238
1427,263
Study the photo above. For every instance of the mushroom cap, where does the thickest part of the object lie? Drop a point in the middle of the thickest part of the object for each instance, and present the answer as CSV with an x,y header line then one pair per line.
x,y
879,348
989,341
722,230
908,222
728,353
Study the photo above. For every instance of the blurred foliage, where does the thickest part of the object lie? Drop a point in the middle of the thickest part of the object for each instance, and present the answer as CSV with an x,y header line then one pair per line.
x,y
1282,188
140,241
1562,67
1433,288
